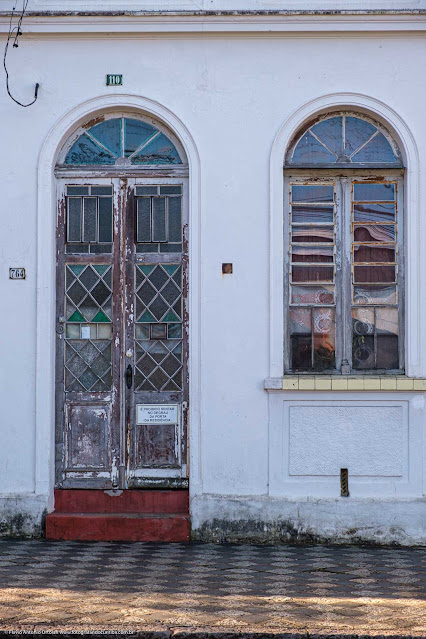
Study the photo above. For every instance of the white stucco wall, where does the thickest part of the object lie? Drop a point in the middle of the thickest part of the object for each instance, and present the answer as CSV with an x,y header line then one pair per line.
x,y
232,92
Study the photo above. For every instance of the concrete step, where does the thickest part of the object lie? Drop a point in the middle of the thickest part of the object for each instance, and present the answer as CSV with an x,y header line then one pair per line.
x,y
125,501
170,527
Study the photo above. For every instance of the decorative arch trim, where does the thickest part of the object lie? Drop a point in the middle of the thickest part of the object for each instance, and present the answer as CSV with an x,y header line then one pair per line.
x,y
46,290
416,263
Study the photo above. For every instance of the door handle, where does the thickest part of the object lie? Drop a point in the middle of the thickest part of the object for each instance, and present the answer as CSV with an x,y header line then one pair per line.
x,y
129,376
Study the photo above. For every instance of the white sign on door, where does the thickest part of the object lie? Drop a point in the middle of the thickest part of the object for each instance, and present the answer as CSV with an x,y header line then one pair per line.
x,y
157,413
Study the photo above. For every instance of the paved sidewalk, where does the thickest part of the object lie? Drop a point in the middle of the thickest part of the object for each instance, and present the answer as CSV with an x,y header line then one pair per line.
x,y
182,588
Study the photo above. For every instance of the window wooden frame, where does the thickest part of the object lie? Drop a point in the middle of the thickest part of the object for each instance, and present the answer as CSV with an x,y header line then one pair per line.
x,y
343,181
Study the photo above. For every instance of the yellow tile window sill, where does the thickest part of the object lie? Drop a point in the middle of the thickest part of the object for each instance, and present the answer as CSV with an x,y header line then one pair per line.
x,y
345,383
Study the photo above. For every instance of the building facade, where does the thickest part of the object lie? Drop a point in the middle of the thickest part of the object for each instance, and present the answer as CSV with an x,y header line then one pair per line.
x,y
213,270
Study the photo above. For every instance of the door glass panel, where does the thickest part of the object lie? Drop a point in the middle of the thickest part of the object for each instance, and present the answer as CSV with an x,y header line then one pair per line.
x,y
89,219
88,328
158,298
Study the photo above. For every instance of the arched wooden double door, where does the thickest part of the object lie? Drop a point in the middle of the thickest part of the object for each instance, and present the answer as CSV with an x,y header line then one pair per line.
x,y
122,322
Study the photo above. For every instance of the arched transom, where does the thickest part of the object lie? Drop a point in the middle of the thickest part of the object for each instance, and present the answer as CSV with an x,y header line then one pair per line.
x,y
344,139
122,140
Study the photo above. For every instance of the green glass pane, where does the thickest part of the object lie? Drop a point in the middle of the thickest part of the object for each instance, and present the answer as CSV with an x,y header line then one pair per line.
x,y
76,268
171,317
146,317
76,317
170,268
146,268
100,317
100,268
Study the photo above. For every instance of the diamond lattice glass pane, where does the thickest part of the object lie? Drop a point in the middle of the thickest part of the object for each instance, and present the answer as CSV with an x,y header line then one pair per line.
x,y
158,277
146,293
100,293
170,365
158,379
88,278
88,308
158,308
76,293
170,292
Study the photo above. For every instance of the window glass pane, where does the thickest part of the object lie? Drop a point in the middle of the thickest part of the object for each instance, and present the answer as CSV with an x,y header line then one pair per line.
x,y
146,190
387,352
312,273
312,193
143,219
89,219
330,132
312,294
109,135
363,352
159,151
374,192
159,233
374,274
312,234
74,219
310,151
387,321
374,212
171,190
312,214
77,190
86,151
374,295
136,133
312,253
324,338
301,339
376,233
357,132
368,253
105,219
175,219
101,190
363,338
377,151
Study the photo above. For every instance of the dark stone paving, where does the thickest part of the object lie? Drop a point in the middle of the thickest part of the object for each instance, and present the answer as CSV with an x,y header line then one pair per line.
x,y
122,587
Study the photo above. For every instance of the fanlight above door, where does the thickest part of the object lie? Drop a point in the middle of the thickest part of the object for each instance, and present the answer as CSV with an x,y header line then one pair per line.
x,y
122,141
344,140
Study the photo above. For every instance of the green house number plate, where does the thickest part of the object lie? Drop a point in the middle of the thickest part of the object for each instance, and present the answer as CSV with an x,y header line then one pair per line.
x,y
114,80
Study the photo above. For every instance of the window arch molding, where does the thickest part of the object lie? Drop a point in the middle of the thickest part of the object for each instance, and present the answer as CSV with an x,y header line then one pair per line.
x,y
302,117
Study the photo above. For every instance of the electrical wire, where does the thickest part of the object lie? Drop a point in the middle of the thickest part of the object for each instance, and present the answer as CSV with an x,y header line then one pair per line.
x,y
15,37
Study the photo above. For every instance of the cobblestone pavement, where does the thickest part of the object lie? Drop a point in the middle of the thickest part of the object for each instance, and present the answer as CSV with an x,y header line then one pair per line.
x,y
66,586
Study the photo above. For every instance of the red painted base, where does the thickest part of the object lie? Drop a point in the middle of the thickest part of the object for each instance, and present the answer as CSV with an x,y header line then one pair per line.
x,y
133,515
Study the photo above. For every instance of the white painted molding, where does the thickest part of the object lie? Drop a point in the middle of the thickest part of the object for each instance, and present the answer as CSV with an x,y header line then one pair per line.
x,y
46,287
415,365
67,20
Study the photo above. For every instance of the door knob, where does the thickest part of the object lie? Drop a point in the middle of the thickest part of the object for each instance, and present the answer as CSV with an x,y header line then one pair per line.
x,y
129,376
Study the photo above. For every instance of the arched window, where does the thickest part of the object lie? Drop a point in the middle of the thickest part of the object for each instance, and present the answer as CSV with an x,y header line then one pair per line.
x,y
343,234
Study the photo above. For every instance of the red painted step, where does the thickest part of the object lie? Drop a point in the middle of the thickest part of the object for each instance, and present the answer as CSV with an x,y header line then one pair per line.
x,y
117,527
129,515
126,501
